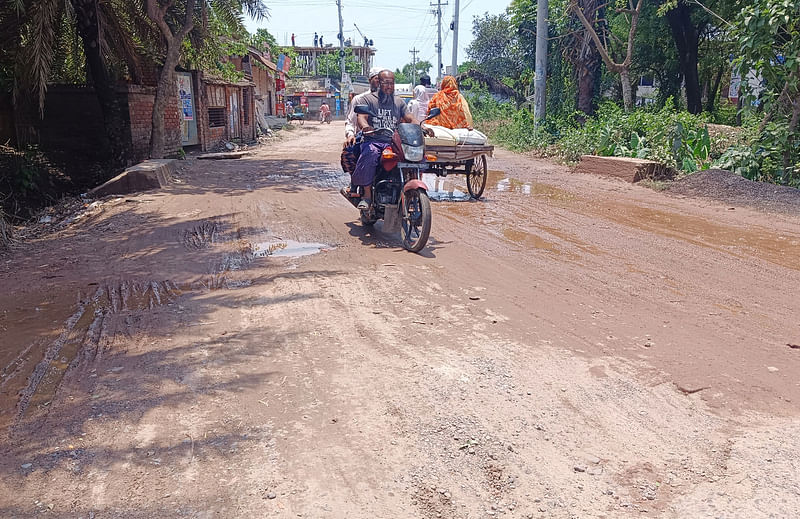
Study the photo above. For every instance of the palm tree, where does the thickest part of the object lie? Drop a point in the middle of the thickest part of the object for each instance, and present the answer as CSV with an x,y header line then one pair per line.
x,y
581,52
118,38
37,32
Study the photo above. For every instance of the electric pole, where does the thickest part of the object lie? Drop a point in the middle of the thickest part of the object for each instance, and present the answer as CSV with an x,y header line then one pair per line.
x,y
438,13
540,81
343,98
414,53
455,40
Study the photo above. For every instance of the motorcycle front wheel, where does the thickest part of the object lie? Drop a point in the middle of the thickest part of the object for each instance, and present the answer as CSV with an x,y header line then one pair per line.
x,y
416,220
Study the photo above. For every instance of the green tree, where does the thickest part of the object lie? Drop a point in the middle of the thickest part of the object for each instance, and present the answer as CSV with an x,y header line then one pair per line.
x,y
494,46
768,34
630,12
175,20
329,63
410,72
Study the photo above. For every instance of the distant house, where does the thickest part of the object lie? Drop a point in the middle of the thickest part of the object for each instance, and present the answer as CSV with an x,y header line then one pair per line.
x,y
233,110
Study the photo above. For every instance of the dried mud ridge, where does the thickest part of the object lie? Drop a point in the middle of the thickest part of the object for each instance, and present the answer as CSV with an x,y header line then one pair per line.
x,y
200,236
90,330
86,335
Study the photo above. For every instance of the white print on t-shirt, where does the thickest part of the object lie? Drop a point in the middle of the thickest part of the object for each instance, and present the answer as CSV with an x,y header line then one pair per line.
x,y
385,119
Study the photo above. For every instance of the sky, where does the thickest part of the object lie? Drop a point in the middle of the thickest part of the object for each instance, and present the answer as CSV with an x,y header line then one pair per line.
x,y
395,27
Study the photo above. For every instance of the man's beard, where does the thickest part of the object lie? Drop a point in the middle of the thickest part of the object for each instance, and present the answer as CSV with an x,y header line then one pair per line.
x,y
383,97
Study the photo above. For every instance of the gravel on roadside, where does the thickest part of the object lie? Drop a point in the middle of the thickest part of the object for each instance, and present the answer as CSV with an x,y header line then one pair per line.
x,y
730,188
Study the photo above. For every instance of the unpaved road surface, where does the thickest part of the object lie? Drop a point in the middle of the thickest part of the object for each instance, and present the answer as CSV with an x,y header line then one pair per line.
x,y
569,346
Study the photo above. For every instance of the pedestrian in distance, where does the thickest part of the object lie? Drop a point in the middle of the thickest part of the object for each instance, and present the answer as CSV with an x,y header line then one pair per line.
x,y
316,39
320,41
293,40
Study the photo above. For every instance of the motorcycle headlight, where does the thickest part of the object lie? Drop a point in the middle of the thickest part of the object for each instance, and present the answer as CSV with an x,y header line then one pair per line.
x,y
413,153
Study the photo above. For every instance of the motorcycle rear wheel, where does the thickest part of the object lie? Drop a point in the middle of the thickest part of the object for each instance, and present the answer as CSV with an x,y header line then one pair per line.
x,y
416,220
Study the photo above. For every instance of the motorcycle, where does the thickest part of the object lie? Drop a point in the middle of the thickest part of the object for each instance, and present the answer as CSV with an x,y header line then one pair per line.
x,y
399,196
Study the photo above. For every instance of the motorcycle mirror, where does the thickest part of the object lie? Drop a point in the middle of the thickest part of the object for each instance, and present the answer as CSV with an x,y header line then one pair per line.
x,y
363,109
434,112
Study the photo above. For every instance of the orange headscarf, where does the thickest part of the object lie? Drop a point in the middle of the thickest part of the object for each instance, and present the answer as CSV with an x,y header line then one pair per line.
x,y
455,110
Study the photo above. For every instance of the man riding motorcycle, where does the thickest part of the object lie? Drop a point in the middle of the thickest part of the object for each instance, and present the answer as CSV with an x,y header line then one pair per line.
x,y
324,113
390,111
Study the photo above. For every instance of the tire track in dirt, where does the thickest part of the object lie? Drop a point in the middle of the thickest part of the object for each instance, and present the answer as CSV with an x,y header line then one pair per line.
x,y
87,334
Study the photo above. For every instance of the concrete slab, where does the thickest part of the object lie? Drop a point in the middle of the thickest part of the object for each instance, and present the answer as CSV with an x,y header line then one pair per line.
x,y
225,155
150,174
625,168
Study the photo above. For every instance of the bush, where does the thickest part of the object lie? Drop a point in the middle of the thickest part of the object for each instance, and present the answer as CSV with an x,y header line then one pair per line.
x,y
678,140
504,123
725,113
28,182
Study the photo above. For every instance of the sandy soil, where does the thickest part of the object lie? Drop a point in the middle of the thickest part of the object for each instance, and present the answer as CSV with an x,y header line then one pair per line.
x,y
569,346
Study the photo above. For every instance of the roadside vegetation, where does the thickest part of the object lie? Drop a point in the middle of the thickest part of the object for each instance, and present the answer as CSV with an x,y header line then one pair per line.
x,y
688,49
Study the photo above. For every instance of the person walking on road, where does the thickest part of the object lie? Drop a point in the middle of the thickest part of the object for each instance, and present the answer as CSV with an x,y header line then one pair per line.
x,y
316,39
293,40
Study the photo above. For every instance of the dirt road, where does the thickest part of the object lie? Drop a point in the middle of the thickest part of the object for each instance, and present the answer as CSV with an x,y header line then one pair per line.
x,y
569,346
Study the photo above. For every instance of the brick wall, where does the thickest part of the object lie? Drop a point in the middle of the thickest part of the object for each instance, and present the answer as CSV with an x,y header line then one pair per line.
x,y
140,108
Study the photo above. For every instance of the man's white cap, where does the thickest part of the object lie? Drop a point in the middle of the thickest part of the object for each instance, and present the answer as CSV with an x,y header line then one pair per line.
x,y
374,71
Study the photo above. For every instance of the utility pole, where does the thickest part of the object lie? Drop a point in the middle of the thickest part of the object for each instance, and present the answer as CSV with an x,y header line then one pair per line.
x,y
455,40
342,97
438,12
540,81
414,53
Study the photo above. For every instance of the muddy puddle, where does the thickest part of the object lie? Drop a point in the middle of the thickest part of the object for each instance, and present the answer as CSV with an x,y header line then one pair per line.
x,y
530,241
499,181
287,249
783,250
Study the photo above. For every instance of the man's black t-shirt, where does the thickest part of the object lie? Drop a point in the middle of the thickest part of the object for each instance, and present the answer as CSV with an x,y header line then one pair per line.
x,y
389,113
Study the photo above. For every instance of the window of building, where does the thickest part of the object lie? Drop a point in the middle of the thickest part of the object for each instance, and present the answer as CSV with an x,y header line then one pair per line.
x,y
216,117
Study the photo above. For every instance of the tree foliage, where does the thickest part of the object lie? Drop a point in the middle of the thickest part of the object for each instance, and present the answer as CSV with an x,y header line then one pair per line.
x,y
684,46
405,74
494,46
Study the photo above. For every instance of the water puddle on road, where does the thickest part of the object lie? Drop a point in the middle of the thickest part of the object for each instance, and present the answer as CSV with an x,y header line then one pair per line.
x,y
444,189
287,249
504,184
30,378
